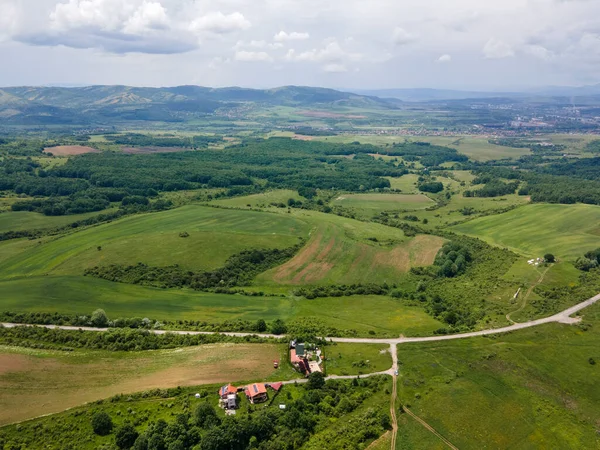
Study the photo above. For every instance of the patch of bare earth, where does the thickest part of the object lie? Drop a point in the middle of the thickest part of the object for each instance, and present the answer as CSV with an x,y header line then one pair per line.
x,y
300,137
33,386
70,150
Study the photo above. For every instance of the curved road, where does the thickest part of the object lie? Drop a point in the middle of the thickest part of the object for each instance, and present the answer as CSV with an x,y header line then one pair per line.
x,y
561,317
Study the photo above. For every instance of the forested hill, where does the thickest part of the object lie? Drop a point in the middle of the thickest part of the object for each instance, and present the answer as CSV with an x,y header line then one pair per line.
x,y
104,104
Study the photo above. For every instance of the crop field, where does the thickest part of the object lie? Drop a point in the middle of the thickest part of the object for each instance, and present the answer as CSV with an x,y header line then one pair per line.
x,y
333,256
371,204
36,382
25,220
567,231
82,295
70,150
530,389
154,239
357,359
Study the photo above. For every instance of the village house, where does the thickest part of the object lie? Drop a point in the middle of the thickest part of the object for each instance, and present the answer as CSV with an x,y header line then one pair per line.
x,y
256,393
228,397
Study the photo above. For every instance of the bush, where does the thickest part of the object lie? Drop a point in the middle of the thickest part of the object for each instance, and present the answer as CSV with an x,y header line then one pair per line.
x,y
102,423
99,318
549,258
126,436
432,187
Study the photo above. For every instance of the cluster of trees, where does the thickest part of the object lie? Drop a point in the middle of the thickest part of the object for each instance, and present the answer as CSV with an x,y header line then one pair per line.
x,y
318,403
340,290
112,340
432,187
589,261
149,140
493,188
453,259
453,314
239,270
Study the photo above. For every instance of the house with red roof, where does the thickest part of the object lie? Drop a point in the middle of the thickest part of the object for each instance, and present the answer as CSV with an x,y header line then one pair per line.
x,y
256,393
227,390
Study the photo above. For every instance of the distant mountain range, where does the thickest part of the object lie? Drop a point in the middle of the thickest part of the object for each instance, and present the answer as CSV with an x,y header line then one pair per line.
x,y
110,104
425,95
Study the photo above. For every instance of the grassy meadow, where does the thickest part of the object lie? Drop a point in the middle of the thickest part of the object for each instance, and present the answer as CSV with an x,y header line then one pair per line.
x,y
82,295
534,388
154,239
368,205
36,382
567,231
25,220
357,359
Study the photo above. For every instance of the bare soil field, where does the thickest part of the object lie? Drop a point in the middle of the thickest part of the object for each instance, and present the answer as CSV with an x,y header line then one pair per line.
x,y
37,382
70,150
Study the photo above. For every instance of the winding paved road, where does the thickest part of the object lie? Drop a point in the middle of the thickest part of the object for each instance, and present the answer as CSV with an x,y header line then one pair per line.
x,y
561,317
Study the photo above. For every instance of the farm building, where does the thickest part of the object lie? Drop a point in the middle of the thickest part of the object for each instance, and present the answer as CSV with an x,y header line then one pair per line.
x,y
256,393
231,402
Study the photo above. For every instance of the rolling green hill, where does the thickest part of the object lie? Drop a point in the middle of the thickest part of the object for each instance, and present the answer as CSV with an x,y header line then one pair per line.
x,y
568,231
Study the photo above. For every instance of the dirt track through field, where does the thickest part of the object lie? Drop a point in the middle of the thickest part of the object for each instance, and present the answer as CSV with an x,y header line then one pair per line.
x,y
429,427
526,296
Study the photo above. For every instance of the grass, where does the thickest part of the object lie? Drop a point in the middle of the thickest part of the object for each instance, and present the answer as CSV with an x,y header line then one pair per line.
x,y
367,205
567,231
262,200
214,235
24,220
82,295
35,382
357,359
529,389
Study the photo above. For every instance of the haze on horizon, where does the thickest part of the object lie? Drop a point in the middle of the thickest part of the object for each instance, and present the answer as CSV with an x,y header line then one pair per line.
x,y
463,44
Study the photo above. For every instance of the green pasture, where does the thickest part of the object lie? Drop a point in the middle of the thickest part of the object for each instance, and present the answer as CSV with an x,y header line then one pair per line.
x,y
25,220
368,205
567,231
356,359
82,295
533,388
262,200
154,239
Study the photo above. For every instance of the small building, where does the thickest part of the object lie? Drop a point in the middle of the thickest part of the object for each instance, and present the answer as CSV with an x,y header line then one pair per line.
x,y
314,366
231,402
256,393
276,386
227,390
299,349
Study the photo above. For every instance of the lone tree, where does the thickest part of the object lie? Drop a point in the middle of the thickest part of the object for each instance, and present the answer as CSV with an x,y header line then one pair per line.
x,y
102,423
549,258
316,380
126,436
206,416
99,318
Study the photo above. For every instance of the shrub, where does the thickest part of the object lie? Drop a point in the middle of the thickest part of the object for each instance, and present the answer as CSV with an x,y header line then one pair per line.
x,y
99,318
126,436
549,258
102,423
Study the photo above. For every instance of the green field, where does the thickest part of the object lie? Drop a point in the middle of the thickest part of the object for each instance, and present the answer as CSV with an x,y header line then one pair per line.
x,y
214,235
24,220
357,359
368,205
36,382
531,389
82,295
567,231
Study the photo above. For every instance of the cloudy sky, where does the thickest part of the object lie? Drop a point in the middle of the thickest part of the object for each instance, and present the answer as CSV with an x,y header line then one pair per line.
x,y
460,44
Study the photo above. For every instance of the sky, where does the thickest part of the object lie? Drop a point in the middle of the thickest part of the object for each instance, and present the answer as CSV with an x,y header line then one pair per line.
x,y
347,44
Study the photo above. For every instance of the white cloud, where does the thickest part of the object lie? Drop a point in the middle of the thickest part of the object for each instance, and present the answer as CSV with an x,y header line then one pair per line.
x,y
9,15
219,23
108,15
149,16
444,58
496,49
539,52
257,44
335,68
247,56
282,36
331,53
402,37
